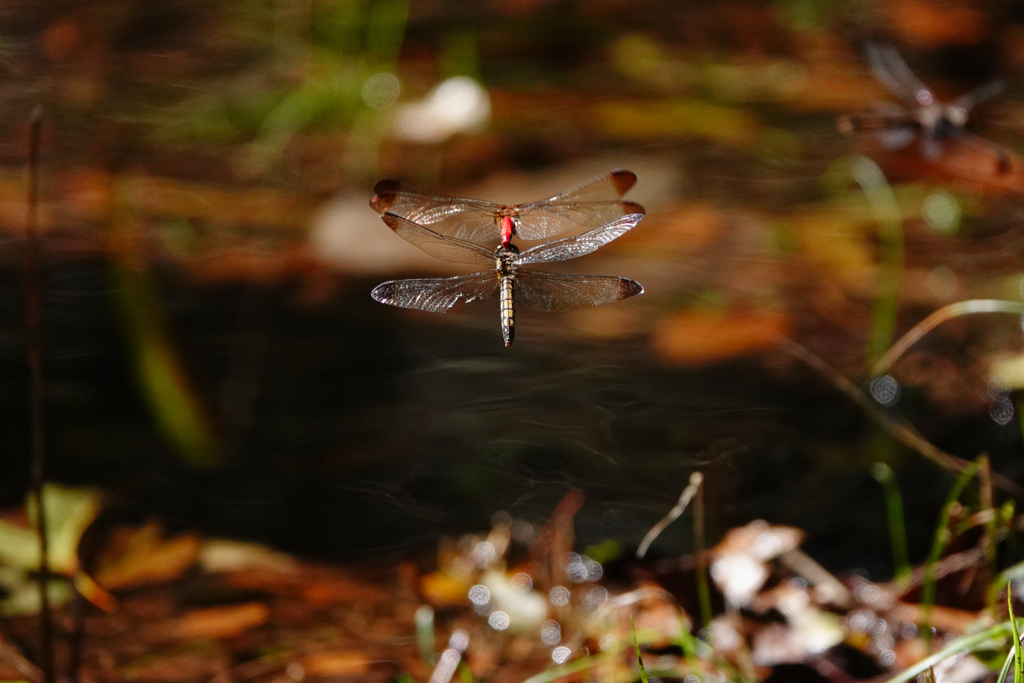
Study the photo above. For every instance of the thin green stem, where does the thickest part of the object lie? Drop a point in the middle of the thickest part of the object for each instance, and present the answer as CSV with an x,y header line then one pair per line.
x,y
940,539
894,512
883,205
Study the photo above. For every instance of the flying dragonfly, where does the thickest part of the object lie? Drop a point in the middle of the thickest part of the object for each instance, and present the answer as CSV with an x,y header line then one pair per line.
x,y
920,115
533,289
587,205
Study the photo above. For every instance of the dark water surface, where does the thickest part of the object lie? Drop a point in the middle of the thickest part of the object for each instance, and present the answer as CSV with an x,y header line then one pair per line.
x,y
357,431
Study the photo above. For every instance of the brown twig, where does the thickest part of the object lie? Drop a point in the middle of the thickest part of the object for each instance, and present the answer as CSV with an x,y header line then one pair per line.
x,y
26,669
37,389
899,431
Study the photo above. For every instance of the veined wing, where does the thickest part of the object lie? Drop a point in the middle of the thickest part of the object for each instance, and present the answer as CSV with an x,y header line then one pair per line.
x,y
556,293
436,294
587,205
578,245
436,244
469,219
605,187
892,72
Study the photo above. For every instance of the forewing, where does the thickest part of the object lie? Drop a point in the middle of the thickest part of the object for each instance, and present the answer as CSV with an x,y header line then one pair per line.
x,y
611,185
586,205
978,95
436,295
436,244
579,245
892,72
897,138
468,219
556,293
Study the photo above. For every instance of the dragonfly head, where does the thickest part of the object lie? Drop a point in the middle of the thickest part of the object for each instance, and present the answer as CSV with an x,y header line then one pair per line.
x,y
506,250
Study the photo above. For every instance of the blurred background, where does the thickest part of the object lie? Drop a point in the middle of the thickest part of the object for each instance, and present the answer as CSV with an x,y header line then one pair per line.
x,y
214,359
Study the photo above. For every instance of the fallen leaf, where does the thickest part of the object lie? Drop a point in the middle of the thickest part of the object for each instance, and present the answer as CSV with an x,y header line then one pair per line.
x,y
702,336
212,623
336,663
142,556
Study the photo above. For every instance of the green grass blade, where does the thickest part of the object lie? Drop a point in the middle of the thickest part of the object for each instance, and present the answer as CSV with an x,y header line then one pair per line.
x,y
968,642
424,619
939,541
883,474
701,568
1018,655
575,666
640,659
887,213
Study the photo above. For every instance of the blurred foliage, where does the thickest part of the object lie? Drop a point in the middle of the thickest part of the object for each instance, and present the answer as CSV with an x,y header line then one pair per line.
x,y
173,401
315,64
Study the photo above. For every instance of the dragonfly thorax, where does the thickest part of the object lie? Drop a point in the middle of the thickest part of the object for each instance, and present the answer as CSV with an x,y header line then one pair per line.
x,y
505,259
509,227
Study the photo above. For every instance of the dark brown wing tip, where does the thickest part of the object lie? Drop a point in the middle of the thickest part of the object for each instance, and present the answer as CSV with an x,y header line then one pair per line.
x,y
630,288
622,180
632,207
382,293
393,221
387,186
384,194
382,202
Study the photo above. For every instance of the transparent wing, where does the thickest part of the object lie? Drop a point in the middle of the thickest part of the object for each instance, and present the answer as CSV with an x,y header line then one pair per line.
x,y
897,138
435,244
587,205
978,95
555,293
435,294
608,186
578,245
892,72
468,219
881,116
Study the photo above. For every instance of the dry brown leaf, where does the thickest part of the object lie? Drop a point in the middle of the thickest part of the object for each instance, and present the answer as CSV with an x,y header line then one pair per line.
x,y
142,556
445,589
336,663
696,337
221,622
944,618
188,666
974,166
936,24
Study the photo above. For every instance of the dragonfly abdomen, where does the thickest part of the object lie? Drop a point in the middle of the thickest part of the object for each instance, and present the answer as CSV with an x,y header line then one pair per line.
x,y
508,310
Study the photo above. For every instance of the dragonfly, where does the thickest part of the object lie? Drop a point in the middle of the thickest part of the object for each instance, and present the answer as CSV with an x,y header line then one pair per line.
x,y
507,279
920,115
588,205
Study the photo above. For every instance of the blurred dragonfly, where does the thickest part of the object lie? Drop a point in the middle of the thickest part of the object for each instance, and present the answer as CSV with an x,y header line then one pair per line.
x,y
534,289
587,205
920,115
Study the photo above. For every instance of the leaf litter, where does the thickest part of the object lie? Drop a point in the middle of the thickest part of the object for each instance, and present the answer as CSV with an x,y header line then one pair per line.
x,y
517,603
